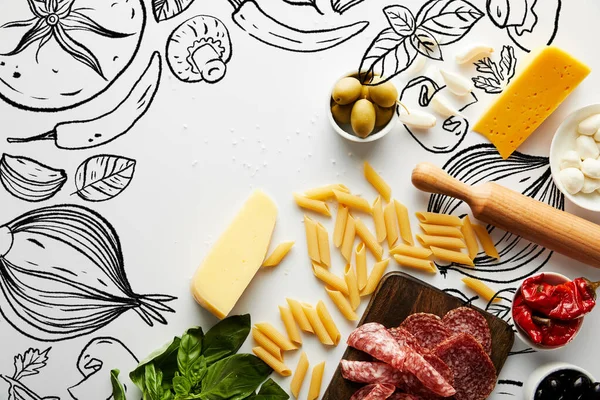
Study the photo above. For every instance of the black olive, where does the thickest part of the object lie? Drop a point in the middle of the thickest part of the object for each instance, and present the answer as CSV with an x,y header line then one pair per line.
x,y
553,385
539,394
581,384
594,392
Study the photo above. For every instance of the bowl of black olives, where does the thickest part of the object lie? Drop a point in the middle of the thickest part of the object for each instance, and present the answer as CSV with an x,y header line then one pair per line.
x,y
561,381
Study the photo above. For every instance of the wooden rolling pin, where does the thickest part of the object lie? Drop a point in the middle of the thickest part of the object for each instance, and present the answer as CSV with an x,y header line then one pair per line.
x,y
516,213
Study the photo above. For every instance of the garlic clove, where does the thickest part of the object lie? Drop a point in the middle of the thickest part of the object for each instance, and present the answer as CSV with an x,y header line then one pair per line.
x,y
570,159
418,119
589,126
586,147
572,179
597,136
474,53
591,168
442,106
590,185
459,85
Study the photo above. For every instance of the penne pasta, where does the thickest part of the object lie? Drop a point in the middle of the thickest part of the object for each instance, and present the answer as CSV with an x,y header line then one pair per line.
x,y
353,293
330,279
298,313
416,263
375,276
323,239
411,251
348,241
278,254
340,225
367,237
441,241
377,182
391,224
271,361
317,325
328,323
483,290
290,325
360,256
325,192
442,230
452,256
316,380
263,341
299,374
404,223
438,219
313,205
342,304
353,201
312,240
470,237
276,337
380,230
486,241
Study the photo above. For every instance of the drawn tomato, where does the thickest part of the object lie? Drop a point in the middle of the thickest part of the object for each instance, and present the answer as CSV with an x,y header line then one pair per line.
x,y
57,54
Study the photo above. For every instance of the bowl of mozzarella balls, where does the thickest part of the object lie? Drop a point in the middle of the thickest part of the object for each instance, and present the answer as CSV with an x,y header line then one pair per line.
x,y
575,157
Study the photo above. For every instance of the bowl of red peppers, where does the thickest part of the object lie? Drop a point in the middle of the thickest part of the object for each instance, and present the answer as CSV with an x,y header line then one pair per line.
x,y
548,309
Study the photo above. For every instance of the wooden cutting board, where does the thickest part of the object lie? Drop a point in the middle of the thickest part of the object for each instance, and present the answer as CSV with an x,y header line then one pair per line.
x,y
400,295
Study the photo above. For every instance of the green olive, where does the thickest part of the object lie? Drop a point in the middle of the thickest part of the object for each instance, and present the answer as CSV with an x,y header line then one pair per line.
x,y
365,93
363,118
341,114
384,94
346,91
383,115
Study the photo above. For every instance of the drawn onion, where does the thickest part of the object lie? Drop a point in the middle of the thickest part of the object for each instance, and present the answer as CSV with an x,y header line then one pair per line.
x,y
63,276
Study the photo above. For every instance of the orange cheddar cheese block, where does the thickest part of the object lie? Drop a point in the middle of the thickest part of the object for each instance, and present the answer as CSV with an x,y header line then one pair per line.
x,y
532,96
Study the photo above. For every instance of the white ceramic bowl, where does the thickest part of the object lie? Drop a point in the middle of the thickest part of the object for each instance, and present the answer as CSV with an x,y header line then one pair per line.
x,y
554,279
538,375
563,141
345,130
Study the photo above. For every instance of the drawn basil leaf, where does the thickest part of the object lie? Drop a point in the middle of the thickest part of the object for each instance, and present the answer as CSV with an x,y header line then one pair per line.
x,y
508,63
235,377
226,338
103,177
448,20
400,19
311,3
425,43
167,9
490,85
117,387
270,391
341,6
389,55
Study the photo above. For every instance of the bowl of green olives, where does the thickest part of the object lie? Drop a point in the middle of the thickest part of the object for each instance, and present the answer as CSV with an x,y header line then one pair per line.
x,y
561,381
362,113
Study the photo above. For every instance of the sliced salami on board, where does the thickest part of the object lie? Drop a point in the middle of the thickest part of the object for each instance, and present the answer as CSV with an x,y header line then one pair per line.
x,y
467,320
428,375
427,328
371,372
375,340
374,392
403,396
414,386
405,338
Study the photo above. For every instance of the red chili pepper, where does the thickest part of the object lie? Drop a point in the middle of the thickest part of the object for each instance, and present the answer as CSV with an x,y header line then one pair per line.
x,y
557,333
523,316
566,302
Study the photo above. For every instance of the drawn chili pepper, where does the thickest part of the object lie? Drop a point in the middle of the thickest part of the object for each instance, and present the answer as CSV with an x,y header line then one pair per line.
x,y
75,135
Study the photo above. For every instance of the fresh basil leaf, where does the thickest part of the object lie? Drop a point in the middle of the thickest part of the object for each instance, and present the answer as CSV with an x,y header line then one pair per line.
x,y
181,385
388,55
270,390
164,358
153,382
400,19
189,351
235,377
448,20
225,338
117,387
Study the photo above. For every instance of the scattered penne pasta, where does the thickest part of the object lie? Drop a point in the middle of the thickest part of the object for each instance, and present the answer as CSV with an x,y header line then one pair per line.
x,y
353,201
486,241
299,317
290,325
328,323
340,225
452,256
263,341
367,237
342,304
271,361
323,239
312,240
441,241
404,223
411,251
438,219
470,237
348,241
483,290
316,380
276,337
313,205
278,254
330,279
360,257
317,325
352,284
375,276
299,375
416,263
391,224
377,182
325,192
442,230
380,230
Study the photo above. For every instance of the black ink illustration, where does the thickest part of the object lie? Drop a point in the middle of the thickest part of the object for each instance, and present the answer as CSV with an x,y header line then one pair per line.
x,y
30,180
199,50
55,55
96,360
496,77
266,29
341,6
27,364
443,138
74,135
524,173
62,275
103,177
167,9
438,23
310,3
529,23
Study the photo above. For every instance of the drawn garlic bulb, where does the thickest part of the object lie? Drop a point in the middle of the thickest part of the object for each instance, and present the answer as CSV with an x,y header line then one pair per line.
x,y
62,275
199,50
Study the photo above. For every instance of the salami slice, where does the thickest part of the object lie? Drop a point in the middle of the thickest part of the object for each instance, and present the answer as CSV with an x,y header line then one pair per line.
x,y
414,386
375,340
374,392
427,328
403,396
467,320
405,338
371,372
474,372
429,380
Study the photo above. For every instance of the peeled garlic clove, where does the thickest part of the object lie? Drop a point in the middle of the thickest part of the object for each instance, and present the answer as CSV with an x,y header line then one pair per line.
x,y
459,85
474,53
442,106
572,179
30,180
586,147
589,126
597,136
418,119
590,185
591,168
570,160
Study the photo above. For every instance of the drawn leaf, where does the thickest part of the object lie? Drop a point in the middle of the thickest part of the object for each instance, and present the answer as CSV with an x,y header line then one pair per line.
x,y
103,177
389,55
484,66
490,85
167,9
30,363
425,43
400,19
341,6
311,3
508,63
448,20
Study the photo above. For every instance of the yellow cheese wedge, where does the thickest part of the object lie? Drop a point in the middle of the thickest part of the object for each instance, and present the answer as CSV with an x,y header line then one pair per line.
x,y
530,98
233,261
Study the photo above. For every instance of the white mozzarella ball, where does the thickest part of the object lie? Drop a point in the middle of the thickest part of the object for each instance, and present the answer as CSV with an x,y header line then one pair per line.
x,y
572,179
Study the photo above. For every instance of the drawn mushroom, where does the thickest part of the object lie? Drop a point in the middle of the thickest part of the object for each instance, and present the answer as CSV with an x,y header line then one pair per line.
x,y
199,50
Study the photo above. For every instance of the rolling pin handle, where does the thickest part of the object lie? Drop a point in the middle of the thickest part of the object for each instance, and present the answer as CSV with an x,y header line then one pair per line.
x,y
429,178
